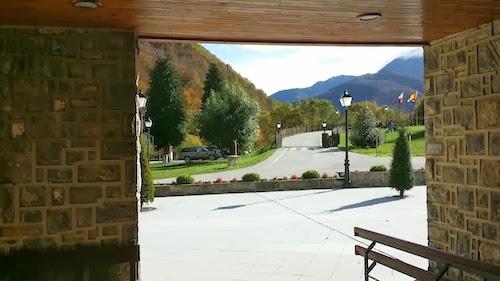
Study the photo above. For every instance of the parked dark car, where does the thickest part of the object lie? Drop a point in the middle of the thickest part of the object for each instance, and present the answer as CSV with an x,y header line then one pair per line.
x,y
198,153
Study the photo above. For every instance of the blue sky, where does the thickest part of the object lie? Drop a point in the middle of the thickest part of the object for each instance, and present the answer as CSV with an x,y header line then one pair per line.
x,y
274,67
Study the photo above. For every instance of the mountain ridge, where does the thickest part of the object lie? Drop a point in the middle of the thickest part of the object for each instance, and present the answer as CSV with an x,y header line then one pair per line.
x,y
402,74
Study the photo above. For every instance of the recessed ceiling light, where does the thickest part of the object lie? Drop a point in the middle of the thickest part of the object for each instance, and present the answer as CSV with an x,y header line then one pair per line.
x,y
369,17
87,4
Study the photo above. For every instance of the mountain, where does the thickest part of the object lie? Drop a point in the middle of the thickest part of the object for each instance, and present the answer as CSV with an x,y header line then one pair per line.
x,y
317,89
403,74
408,66
191,61
382,87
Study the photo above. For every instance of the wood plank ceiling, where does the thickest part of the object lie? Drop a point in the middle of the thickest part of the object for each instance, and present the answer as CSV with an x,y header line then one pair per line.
x,y
271,21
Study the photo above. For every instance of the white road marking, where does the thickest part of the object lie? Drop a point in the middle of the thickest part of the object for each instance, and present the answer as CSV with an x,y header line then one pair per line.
x,y
278,158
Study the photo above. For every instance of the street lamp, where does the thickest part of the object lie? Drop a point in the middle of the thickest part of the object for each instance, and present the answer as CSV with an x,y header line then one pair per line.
x,y
324,126
345,101
148,123
143,100
278,127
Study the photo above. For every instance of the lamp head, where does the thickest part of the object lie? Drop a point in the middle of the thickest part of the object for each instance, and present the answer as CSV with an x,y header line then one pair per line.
x,y
148,123
346,99
143,100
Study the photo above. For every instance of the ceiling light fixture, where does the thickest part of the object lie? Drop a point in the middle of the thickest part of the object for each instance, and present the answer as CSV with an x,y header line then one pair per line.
x,y
87,4
368,17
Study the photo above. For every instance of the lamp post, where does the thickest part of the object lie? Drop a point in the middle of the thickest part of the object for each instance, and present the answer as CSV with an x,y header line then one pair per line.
x,y
278,128
386,108
143,101
345,101
148,123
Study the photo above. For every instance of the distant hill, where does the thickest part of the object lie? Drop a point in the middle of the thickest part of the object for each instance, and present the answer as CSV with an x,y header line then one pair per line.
x,y
403,74
382,87
191,61
408,66
317,89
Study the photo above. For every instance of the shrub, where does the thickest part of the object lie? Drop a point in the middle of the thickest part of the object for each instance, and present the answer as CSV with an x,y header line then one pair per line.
x,y
378,168
185,180
324,176
311,174
250,177
401,175
219,180
234,180
294,177
364,130
285,178
148,188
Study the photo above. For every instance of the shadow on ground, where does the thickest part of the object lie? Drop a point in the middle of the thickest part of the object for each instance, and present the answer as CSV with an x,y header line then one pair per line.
x,y
231,207
366,203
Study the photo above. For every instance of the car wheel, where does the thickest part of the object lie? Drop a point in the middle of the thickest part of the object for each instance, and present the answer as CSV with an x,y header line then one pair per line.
x,y
211,158
187,159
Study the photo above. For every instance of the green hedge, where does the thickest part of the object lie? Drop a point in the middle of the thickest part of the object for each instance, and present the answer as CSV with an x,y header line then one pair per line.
x,y
185,180
250,177
378,168
311,174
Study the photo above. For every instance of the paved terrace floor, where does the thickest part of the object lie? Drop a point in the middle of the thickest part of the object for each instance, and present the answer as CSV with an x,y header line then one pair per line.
x,y
301,153
249,237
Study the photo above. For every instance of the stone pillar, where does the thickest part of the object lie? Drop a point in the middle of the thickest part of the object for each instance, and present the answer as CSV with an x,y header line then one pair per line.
x,y
462,114
67,144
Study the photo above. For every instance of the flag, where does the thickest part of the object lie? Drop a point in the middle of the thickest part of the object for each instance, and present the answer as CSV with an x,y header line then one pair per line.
x,y
400,98
413,97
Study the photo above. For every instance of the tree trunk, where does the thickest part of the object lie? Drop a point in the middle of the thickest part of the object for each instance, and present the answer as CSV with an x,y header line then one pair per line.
x,y
401,193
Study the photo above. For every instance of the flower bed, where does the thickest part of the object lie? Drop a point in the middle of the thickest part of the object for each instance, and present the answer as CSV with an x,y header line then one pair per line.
x,y
359,179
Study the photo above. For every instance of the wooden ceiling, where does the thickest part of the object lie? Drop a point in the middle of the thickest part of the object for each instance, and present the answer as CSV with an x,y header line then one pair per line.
x,y
270,21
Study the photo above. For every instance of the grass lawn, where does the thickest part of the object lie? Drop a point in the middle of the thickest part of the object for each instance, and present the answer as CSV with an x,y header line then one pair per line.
x,y
160,171
417,143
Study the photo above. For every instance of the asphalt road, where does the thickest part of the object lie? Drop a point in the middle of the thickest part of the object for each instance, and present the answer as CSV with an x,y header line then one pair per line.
x,y
277,236
300,153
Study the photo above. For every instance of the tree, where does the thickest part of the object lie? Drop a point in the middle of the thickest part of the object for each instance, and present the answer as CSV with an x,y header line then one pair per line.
x,y
364,130
230,115
314,111
213,82
166,105
401,174
148,188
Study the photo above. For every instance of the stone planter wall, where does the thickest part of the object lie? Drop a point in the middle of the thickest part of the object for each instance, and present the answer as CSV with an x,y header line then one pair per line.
x,y
462,114
360,179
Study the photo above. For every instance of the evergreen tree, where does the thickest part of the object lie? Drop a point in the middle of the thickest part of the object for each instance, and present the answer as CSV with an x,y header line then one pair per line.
x,y
147,189
401,174
230,115
166,105
213,82
364,130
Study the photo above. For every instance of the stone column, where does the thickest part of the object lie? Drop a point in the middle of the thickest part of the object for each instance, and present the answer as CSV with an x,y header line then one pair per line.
x,y
462,115
67,143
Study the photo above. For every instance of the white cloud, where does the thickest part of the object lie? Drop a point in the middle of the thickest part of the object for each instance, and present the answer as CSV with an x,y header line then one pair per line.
x,y
302,66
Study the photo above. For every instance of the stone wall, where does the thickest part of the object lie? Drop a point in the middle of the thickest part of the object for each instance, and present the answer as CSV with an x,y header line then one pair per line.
x,y
462,113
359,180
67,138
